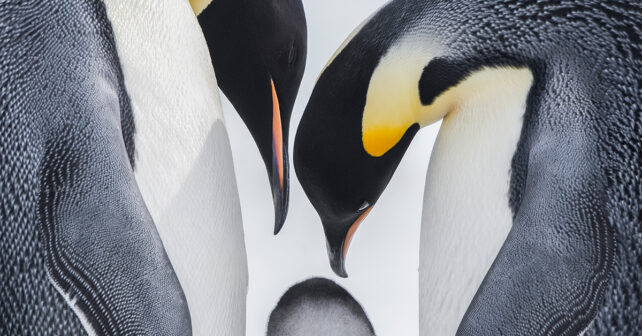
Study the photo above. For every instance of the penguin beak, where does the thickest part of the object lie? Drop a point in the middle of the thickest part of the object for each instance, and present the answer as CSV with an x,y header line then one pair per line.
x,y
337,252
280,187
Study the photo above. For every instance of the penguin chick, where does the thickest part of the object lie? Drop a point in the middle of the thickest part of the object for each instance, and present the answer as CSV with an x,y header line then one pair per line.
x,y
318,306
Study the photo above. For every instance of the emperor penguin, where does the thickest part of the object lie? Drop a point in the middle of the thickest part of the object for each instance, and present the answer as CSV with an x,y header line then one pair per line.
x,y
318,307
120,213
259,49
531,221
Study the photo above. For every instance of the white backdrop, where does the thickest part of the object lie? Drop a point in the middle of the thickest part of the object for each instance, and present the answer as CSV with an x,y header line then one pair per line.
x,y
383,257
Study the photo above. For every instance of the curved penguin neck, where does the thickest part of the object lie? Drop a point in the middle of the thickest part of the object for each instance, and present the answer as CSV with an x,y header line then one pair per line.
x,y
183,161
466,215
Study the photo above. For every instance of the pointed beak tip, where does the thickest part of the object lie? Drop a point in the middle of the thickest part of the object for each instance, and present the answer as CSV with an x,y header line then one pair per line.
x,y
337,252
337,260
278,223
280,208
341,273
338,266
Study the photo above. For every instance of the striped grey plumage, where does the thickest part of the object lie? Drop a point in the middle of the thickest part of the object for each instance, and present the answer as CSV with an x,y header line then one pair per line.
x,y
70,212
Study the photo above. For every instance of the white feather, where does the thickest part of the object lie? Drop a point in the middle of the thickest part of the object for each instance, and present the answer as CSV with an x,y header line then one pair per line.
x,y
183,161
466,216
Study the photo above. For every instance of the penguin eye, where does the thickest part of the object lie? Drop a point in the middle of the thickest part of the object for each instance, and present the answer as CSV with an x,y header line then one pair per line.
x,y
363,207
292,55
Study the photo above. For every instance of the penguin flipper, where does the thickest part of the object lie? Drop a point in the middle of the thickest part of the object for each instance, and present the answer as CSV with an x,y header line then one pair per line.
x,y
103,253
552,271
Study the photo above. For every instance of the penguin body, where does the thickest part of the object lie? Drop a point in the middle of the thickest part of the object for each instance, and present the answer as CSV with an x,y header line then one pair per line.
x,y
541,158
318,306
80,253
183,163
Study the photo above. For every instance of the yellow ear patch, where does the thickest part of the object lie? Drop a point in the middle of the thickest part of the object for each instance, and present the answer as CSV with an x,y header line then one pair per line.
x,y
392,102
199,5
376,141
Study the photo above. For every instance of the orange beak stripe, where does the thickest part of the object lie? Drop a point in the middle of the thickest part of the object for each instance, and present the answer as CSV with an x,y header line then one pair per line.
x,y
352,230
277,134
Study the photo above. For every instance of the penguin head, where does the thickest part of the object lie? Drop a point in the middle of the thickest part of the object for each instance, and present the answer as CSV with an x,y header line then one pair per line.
x,y
377,91
340,177
258,49
318,306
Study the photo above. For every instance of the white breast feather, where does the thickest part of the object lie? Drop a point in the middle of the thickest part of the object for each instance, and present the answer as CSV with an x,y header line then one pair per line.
x,y
466,216
183,161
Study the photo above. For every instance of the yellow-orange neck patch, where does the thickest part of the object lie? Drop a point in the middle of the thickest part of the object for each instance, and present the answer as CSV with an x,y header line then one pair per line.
x,y
393,103
378,140
199,6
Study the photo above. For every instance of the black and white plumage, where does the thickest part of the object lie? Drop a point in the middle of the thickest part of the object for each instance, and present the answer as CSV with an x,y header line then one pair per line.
x,y
73,225
116,169
320,307
539,154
